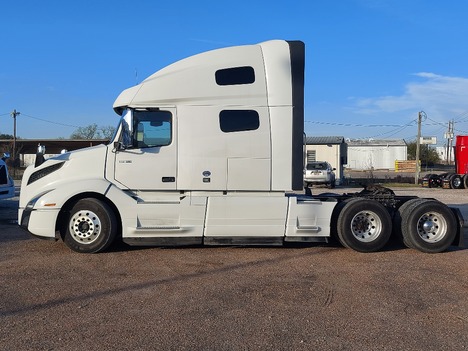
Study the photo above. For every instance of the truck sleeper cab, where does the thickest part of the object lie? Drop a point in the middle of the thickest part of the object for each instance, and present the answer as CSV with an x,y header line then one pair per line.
x,y
209,150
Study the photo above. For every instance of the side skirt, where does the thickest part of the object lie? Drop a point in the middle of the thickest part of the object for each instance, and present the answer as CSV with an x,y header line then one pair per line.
x,y
306,239
222,241
240,240
163,241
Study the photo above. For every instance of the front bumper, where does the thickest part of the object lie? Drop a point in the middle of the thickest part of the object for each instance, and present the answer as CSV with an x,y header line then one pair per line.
x,y
43,222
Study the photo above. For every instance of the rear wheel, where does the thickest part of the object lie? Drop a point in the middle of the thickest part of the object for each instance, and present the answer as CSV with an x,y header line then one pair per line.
x,y
456,181
364,225
434,181
91,226
428,226
465,181
397,220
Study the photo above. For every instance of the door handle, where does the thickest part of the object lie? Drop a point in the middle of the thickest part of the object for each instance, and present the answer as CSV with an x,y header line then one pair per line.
x,y
168,179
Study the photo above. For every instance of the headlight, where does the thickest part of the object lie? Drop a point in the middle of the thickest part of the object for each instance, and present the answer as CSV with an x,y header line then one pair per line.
x,y
32,202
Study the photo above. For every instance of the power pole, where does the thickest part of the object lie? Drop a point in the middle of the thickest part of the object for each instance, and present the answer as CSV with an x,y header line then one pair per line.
x,y
14,114
449,137
418,143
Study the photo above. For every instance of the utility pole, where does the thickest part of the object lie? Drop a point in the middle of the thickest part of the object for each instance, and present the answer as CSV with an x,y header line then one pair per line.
x,y
418,143
450,151
449,137
14,114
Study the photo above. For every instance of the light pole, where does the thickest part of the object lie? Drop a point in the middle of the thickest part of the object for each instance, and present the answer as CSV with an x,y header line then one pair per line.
x,y
418,143
14,114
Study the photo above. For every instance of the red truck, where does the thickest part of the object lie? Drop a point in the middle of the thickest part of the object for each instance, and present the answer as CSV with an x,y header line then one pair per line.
x,y
457,180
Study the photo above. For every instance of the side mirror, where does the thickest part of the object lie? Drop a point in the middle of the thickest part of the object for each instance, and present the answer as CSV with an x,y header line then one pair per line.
x,y
5,156
118,146
40,155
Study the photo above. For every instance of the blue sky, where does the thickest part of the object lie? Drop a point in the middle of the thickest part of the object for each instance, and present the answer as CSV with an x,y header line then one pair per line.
x,y
371,65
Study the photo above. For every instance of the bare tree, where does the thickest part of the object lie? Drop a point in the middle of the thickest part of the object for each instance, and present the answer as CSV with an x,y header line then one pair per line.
x,y
92,131
107,131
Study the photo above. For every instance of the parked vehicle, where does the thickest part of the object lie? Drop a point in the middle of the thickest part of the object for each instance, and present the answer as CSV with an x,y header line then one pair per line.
x,y
7,185
209,150
457,180
319,172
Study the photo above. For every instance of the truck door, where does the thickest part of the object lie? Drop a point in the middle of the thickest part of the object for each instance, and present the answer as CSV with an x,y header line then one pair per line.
x,y
151,161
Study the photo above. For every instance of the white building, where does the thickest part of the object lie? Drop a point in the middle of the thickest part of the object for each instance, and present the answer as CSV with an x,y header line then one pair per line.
x,y
375,154
332,149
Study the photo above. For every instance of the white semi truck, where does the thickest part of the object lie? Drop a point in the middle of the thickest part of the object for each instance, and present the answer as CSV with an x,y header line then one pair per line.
x,y
210,150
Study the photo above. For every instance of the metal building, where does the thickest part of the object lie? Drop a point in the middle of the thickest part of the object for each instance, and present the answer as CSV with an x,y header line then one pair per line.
x,y
373,154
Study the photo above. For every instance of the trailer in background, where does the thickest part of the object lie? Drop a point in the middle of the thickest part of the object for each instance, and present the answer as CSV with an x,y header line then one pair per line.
x,y
457,180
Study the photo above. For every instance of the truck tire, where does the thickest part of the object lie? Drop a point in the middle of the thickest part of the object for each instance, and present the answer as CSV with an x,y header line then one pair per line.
x,y
456,181
434,180
91,226
465,181
428,226
364,225
398,218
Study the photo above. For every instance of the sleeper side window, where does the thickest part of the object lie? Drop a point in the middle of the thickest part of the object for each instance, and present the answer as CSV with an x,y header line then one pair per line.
x,y
152,129
238,120
235,76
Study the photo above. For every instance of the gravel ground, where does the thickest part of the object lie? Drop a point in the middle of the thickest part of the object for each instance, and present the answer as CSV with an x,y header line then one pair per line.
x,y
318,297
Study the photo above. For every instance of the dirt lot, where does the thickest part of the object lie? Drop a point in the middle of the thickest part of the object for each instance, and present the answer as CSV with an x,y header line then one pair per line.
x,y
231,298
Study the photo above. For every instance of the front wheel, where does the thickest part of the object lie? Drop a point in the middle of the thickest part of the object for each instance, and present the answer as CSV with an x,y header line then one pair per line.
x,y
91,226
429,226
364,225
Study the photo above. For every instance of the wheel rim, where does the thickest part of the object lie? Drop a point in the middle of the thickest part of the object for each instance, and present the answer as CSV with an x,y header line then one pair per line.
x,y
456,182
85,226
432,227
366,226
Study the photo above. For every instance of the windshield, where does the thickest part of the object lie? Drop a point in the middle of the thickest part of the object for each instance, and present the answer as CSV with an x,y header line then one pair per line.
x,y
316,166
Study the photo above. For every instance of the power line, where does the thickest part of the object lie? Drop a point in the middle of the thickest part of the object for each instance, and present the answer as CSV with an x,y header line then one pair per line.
x,y
355,125
462,117
51,122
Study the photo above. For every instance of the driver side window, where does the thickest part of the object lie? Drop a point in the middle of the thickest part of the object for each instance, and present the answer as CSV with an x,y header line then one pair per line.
x,y
152,129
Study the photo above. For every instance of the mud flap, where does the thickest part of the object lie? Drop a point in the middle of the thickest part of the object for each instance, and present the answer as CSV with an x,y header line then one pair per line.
x,y
459,238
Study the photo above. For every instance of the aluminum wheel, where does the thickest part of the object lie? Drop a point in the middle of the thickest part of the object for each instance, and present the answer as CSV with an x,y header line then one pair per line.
x,y
429,226
366,226
85,226
432,227
363,225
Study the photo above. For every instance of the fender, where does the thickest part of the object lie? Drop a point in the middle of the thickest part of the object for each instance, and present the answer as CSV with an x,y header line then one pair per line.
x,y
43,212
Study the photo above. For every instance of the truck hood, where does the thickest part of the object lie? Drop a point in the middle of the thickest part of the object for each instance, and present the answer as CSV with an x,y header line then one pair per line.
x,y
87,162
